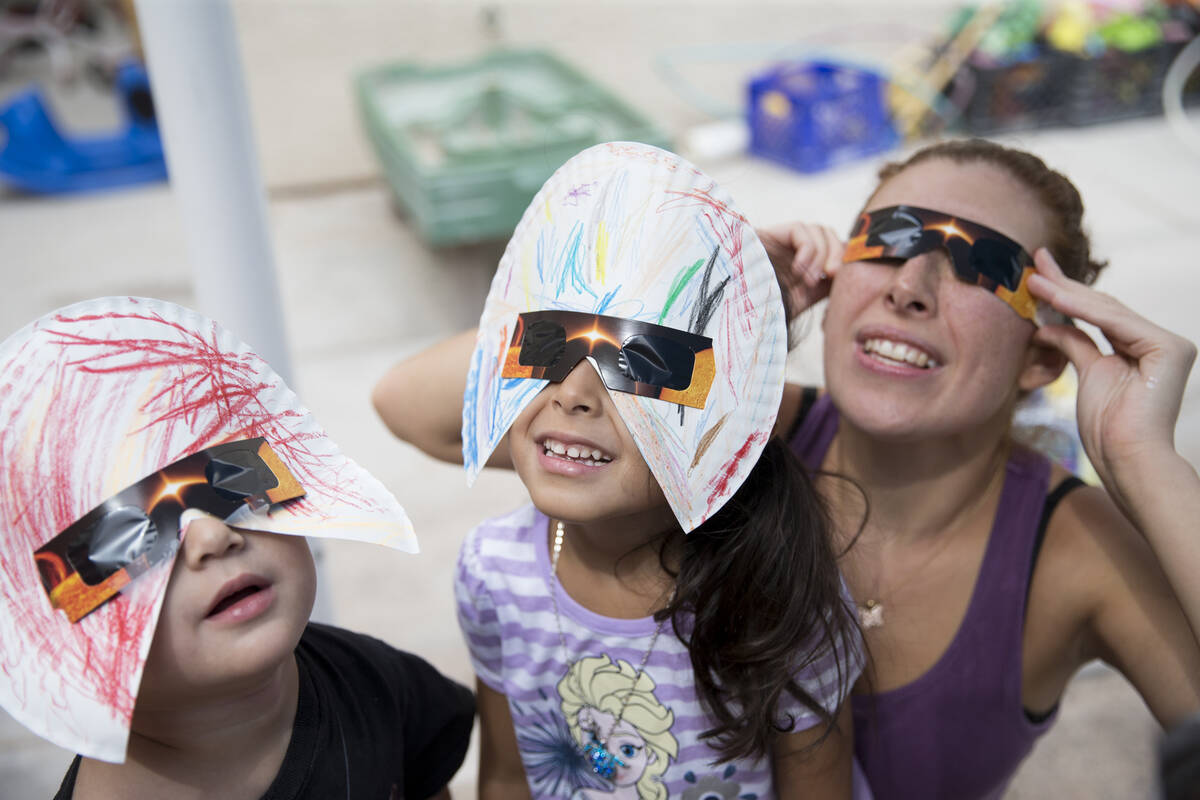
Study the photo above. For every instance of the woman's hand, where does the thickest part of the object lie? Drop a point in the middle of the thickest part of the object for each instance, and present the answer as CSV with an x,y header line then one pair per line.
x,y
1127,406
1128,401
804,256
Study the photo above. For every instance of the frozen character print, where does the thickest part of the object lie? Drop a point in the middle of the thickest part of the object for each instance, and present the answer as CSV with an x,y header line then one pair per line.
x,y
615,718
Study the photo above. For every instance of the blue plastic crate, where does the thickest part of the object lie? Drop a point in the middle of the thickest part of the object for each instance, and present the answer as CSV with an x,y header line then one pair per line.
x,y
37,156
812,115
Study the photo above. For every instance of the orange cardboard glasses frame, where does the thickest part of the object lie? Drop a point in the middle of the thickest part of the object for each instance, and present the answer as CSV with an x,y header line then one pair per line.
x,y
102,552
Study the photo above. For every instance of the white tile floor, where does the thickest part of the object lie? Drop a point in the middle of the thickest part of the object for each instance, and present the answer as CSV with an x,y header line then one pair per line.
x,y
360,290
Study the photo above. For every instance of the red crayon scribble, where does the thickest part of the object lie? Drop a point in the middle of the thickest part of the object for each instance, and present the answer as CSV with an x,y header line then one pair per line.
x,y
206,390
720,484
212,394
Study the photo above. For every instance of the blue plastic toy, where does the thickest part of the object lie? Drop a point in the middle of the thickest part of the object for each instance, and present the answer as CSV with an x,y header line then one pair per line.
x,y
812,115
36,157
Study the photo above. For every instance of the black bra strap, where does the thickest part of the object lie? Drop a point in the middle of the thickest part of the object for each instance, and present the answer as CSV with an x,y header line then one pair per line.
x,y
1066,486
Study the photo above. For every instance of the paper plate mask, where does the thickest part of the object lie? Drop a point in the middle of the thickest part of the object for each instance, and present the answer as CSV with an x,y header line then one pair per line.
x,y
114,415
652,258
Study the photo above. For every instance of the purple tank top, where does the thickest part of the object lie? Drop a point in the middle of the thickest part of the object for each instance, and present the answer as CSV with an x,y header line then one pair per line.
x,y
958,731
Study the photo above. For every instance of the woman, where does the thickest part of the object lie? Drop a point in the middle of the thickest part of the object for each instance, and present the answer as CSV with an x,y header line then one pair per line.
x,y
976,616
975,622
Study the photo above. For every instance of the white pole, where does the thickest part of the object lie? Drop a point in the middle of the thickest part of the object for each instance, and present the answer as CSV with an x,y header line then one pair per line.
x,y
200,100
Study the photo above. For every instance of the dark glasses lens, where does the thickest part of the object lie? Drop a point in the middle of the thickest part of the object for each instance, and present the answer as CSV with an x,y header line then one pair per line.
x,y
995,260
239,474
899,231
543,343
657,361
118,538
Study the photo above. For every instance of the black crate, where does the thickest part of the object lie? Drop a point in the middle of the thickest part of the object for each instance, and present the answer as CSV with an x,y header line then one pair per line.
x,y
1117,85
1029,93
1191,86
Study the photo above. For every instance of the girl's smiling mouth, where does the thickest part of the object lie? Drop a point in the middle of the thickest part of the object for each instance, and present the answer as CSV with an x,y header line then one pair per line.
x,y
571,453
584,454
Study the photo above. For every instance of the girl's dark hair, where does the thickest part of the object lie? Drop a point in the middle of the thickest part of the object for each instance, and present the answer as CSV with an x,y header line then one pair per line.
x,y
1069,243
758,601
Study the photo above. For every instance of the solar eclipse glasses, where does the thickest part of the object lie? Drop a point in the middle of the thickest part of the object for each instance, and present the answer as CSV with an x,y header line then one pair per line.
x,y
636,357
99,554
978,254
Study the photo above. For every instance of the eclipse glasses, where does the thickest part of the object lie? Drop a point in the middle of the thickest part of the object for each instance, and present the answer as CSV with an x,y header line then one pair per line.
x,y
978,254
636,357
99,554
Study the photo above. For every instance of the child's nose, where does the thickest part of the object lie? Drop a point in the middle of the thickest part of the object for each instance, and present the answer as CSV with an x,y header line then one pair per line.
x,y
206,537
580,391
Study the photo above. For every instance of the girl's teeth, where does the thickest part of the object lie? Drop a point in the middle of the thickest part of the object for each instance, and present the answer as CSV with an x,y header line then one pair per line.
x,y
593,458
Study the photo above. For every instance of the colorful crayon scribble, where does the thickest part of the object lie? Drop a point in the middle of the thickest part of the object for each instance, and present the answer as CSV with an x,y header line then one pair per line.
x,y
653,239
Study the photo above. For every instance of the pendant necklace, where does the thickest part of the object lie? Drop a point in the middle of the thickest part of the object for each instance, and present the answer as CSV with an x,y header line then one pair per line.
x,y
870,613
602,761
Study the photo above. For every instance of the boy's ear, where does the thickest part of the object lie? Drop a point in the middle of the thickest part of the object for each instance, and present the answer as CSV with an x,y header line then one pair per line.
x,y
1043,365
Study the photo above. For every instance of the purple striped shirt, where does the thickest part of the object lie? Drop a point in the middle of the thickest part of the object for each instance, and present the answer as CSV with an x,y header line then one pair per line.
x,y
505,609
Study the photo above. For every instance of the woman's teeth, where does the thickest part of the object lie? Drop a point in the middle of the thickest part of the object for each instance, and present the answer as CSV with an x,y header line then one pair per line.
x,y
902,353
573,452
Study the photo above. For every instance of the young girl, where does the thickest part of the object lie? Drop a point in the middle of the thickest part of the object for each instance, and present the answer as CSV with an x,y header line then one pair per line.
x,y
631,352
986,576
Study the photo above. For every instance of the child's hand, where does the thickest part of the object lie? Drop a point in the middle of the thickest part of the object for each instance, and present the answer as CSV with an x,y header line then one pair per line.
x,y
805,256
1128,401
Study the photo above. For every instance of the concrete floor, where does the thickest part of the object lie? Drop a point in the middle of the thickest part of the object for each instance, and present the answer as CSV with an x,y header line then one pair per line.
x,y
360,290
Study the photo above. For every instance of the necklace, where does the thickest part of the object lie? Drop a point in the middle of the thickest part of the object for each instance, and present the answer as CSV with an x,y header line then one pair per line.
x,y
602,761
870,613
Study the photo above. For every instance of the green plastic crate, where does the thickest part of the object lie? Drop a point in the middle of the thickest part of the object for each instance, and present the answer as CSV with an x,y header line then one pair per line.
x,y
465,147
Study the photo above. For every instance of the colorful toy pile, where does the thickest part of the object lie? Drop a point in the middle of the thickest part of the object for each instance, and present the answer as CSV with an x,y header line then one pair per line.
x,y
1075,62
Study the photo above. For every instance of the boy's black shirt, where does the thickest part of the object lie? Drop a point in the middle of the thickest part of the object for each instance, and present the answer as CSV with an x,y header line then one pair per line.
x,y
372,722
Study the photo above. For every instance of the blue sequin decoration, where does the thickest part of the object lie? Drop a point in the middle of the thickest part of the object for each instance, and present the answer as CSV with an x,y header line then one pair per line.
x,y
603,762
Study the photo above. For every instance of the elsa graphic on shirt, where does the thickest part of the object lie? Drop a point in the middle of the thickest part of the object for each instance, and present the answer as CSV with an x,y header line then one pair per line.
x,y
611,703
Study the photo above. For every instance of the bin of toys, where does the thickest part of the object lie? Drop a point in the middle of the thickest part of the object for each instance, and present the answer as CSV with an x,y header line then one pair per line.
x,y
811,115
1070,62
1017,93
1115,84
1120,75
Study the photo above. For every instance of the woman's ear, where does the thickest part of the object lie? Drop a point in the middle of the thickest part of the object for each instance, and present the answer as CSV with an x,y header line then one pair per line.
x,y
1043,365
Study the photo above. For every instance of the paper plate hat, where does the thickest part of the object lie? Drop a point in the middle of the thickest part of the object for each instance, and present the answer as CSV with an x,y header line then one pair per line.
x,y
630,231
97,402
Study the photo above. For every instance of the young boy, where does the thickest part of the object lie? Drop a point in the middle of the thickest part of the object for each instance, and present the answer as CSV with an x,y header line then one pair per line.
x,y
158,481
